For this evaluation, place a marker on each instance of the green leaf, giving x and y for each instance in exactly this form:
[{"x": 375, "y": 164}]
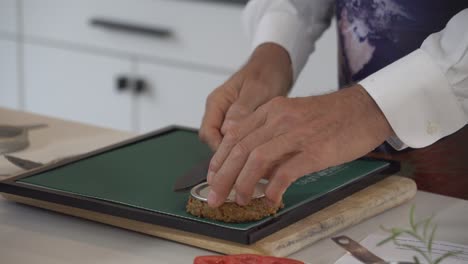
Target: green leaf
[
  {"x": 385, "y": 241},
  {"x": 390, "y": 238},
  {"x": 396, "y": 230},
  {"x": 422, "y": 253},
  {"x": 411, "y": 218},
  {"x": 431, "y": 239},
  {"x": 427, "y": 223},
  {"x": 446, "y": 255},
  {"x": 413, "y": 234},
  {"x": 416, "y": 260}
]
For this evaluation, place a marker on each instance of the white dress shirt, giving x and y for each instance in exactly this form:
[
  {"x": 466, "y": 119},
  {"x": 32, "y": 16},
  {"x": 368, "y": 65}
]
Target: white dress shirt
[{"x": 424, "y": 95}]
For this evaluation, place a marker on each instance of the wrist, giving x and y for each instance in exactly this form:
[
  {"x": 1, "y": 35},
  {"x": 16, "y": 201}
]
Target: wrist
[
  {"x": 376, "y": 118},
  {"x": 367, "y": 112},
  {"x": 271, "y": 63}
]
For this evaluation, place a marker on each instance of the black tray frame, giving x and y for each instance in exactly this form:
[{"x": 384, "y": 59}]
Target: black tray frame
[{"x": 248, "y": 237}]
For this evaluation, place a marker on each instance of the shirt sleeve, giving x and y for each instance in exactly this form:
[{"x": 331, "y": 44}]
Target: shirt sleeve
[
  {"x": 424, "y": 95},
  {"x": 293, "y": 24}
]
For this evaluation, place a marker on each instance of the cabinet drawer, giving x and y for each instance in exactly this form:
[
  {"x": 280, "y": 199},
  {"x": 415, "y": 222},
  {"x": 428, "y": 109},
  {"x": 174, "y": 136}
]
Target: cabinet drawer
[
  {"x": 204, "y": 33},
  {"x": 8, "y": 16},
  {"x": 75, "y": 86},
  {"x": 174, "y": 96}
]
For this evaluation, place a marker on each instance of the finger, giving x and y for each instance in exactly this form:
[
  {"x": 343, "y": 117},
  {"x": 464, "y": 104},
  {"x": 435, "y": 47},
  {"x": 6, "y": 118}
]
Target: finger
[
  {"x": 235, "y": 135},
  {"x": 223, "y": 179},
  {"x": 235, "y": 114},
  {"x": 236, "y": 160},
  {"x": 249, "y": 99},
  {"x": 260, "y": 163},
  {"x": 210, "y": 131},
  {"x": 287, "y": 173}
]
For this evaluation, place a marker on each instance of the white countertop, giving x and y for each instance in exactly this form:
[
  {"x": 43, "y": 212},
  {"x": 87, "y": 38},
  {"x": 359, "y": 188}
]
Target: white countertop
[{"x": 31, "y": 235}]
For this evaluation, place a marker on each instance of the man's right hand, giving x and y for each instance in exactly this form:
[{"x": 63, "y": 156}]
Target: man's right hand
[{"x": 267, "y": 74}]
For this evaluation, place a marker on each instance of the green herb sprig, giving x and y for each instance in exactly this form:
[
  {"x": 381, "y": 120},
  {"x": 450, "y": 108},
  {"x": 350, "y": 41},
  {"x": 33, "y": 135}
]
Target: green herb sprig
[{"x": 423, "y": 231}]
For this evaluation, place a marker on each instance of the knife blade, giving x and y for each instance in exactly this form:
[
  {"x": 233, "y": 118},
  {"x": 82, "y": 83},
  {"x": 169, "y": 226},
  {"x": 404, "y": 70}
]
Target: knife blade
[
  {"x": 29, "y": 164},
  {"x": 194, "y": 176},
  {"x": 23, "y": 163},
  {"x": 357, "y": 250}
]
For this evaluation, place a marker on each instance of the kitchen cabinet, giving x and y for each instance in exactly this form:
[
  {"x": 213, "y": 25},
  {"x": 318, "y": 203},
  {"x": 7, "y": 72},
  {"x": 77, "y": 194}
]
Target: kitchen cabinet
[
  {"x": 8, "y": 16},
  {"x": 190, "y": 32},
  {"x": 76, "y": 86},
  {"x": 8, "y": 74},
  {"x": 112, "y": 92},
  {"x": 174, "y": 95},
  {"x": 171, "y": 54}
]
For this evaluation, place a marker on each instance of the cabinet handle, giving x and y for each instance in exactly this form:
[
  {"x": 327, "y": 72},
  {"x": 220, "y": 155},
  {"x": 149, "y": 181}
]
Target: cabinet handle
[
  {"x": 131, "y": 28},
  {"x": 122, "y": 83},
  {"x": 140, "y": 86}
]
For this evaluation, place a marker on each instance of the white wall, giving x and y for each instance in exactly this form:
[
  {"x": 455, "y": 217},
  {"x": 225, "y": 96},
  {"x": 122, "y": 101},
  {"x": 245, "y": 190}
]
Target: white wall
[{"x": 320, "y": 74}]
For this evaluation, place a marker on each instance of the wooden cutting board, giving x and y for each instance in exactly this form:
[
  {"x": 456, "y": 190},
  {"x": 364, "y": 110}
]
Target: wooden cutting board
[{"x": 362, "y": 205}]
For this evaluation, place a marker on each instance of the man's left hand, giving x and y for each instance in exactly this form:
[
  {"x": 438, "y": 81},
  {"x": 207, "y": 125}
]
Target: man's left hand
[{"x": 288, "y": 138}]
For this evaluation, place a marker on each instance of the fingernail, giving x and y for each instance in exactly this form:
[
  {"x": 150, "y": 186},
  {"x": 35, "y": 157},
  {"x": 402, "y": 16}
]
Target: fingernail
[
  {"x": 212, "y": 199},
  {"x": 240, "y": 200}
]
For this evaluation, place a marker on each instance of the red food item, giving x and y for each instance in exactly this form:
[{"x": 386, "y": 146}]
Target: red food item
[
  {"x": 244, "y": 259},
  {"x": 274, "y": 260},
  {"x": 209, "y": 260}
]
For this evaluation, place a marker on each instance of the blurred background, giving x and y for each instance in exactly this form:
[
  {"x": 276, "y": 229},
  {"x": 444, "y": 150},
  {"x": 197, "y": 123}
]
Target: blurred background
[{"x": 133, "y": 65}]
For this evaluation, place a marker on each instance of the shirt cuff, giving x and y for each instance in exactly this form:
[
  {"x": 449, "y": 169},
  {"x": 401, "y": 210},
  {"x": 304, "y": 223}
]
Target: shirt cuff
[
  {"x": 416, "y": 99},
  {"x": 289, "y": 32}
]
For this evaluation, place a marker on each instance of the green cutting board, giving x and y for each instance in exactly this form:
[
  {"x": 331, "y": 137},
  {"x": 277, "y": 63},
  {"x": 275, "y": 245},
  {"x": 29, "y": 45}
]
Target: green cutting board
[{"x": 142, "y": 174}]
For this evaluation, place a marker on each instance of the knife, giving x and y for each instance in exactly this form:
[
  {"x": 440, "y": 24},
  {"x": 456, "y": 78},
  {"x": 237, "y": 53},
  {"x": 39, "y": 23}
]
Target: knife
[
  {"x": 361, "y": 253},
  {"x": 29, "y": 164},
  {"x": 23, "y": 163},
  {"x": 357, "y": 250},
  {"x": 194, "y": 176}
]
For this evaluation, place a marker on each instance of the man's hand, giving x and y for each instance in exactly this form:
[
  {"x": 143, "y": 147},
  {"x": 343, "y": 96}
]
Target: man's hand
[
  {"x": 267, "y": 74},
  {"x": 287, "y": 138}
]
